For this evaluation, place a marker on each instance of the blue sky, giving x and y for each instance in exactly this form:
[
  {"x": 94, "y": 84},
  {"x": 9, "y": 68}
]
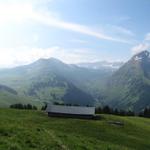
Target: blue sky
[{"x": 72, "y": 30}]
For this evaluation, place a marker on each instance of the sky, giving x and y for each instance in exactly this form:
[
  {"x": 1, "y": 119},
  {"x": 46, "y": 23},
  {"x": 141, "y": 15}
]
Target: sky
[{"x": 72, "y": 30}]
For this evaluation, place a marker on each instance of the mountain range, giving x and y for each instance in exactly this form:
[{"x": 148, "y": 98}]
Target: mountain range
[
  {"x": 120, "y": 85},
  {"x": 101, "y": 65},
  {"x": 48, "y": 80}
]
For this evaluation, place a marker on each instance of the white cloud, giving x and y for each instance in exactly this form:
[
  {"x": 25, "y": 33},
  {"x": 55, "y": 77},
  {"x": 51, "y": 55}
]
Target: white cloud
[
  {"x": 140, "y": 47},
  {"x": 144, "y": 45},
  {"x": 21, "y": 12},
  {"x": 123, "y": 30},
  {"x": 51, "y": 21}
]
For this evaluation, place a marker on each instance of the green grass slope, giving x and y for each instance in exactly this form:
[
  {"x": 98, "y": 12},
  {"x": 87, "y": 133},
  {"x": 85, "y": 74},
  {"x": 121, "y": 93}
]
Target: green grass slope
[
  {"x": 9, "y": 96},
  {"x": 7, "y": 99},
  {"x": 33, "y": 130}
]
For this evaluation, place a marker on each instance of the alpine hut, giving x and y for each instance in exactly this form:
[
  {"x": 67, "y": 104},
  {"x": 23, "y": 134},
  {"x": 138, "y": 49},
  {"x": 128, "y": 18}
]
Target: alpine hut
[{"x": 70, "y": 111}]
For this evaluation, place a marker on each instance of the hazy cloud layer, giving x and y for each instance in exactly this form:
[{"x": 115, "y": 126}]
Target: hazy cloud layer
[{"x": 25, "y": 55}]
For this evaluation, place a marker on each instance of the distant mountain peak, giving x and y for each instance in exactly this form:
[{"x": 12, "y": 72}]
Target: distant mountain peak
[
  {"x": 144, "y": 55},
  {"x": 53, "y": 59},
  {"x": 49, "y": 59},
  {"x": 46, "y": 61}
]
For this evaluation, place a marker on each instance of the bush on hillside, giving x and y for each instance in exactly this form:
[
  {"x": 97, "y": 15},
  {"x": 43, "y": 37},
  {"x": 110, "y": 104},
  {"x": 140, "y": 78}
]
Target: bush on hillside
[{"x": 21, "y": 106}]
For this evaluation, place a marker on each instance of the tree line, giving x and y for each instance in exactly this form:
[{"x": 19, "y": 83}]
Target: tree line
[
  {"x": 145, "y": 113},
  {"x": 23, "y": 106},
  {"x": 98, "y": 110},
  {"x": 109, "y": 110}
]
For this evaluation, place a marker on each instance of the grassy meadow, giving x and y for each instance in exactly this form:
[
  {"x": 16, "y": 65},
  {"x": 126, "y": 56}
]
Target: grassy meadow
[{"x": 33, "y": 130}]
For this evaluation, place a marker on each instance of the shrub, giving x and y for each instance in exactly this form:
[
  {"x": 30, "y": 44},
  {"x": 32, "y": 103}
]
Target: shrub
[{"x": 21, "y": 106}]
